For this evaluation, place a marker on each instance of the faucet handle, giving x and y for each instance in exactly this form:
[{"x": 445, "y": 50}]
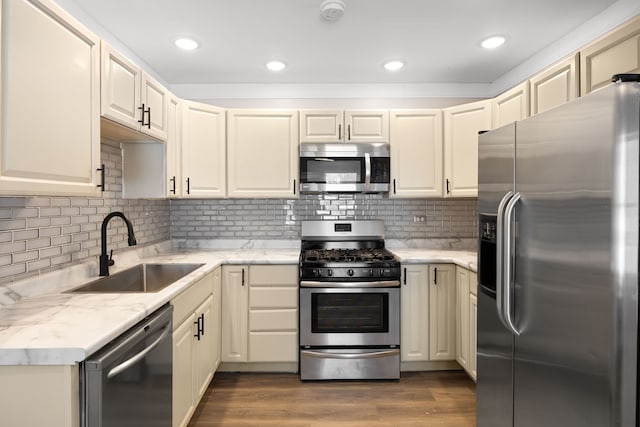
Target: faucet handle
[{"x": 111, "y": 261}]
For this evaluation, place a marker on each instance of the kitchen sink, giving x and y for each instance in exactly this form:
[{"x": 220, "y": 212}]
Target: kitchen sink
[{"x": 140, "y": 278}]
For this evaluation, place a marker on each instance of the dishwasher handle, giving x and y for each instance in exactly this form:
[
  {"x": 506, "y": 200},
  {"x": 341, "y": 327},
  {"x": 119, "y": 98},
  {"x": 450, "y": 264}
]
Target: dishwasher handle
[{"x": 139, "y": 356}]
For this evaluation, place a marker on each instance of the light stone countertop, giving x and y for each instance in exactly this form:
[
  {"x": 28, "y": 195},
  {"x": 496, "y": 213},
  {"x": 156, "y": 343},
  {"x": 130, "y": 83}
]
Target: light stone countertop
[{"x": 45, "y": 326}]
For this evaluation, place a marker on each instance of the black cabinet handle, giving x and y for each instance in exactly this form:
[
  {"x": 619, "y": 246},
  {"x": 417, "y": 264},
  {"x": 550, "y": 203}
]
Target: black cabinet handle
[
  {"x": 405, "y": 275},
  {"x": 202, "y": 324},
  {"x": 448, "y": 191},
  {"x": 188, "y": 186},
  {"x": 349, "y": 132},
  {"x": 141, "y": 121},
  {"x": 148, "y": 118},
  {"x": 394, "y": 186},
  {"x": 243, "y": 277},
  {"x": 101, "y": 169},
  {"x": 435, "y": 276},
  {"x": 173, "y": 186},
  {"x": 294, "y": 187},
  {"x": 197, "y": 334},
  {"x": 339, "y": 132}
]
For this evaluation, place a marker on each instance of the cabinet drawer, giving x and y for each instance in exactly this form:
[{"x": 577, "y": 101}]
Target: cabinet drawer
[
  {"x": 273, "y": 320},
  {"x": 273, "y": 275},
  {"x": 273, "y": 297},
  {"x": 189, "y": 300},
  {"x": 273, "y": 347}
]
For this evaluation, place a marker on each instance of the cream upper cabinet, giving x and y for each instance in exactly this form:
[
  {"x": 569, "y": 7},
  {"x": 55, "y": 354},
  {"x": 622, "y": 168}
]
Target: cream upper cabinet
[
  {"x": 416, "y": 153},
  {"x": 344, "y": 126},
  {"x": 555, "y": 86},
  {"x": 262, "y": 149},
  {"x": 461, "y": 126},
  {"x": 442, "y": 312},
  {"x": 414, "y": 311},
  {"x": 131, "y": 97},
  {"x": 511, "y": 106},
  {"x": 617, "y": 52},
  {"x": 52, "y": 63},
  {"x": 202, "y": 150},
  {"x": 173, "y": 149}
]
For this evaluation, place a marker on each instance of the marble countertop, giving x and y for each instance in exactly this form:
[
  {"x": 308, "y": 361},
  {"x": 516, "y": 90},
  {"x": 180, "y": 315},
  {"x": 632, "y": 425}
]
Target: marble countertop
[{"x": 47, "y": 326}]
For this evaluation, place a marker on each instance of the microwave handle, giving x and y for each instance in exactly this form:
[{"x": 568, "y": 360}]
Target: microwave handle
[{"x": 367, "y": 170}]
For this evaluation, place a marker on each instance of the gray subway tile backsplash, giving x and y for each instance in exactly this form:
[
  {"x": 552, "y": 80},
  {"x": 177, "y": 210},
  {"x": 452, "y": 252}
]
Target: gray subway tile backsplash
[{"x": 38, "y": 234}]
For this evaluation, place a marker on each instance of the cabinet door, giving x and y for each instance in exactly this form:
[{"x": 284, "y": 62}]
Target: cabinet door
[
  {"x": 216, "y": 328},
  {"x": 462, "y": 317},
  {"x": 416, "y": 153},
  {"x": 203, "y": 150},
  {"x": 204, "y": 348},
  {"x": 615, "y": 53},
  {"x": 121, "y": 80},
  {"x": 461, "y": 126},
  {"x": 155, "y": 97},
  {"x": 174, "y": 161},
  {"x": 263, "y": 153},
  {"x": 183, "y": 384},
  {"x": 414, "y": 309},
  {"x": 235, "y": 311},
  {"x": 555, "y": 85},
  {"x": 50, "y": 111},
  {"x": 321, "y": 126},
  {"x": 367, "y": 126},
  {"x": 473, "y": 316},
  {"x": 442, "y": 312},
  {"x": 511, "y": 106}
]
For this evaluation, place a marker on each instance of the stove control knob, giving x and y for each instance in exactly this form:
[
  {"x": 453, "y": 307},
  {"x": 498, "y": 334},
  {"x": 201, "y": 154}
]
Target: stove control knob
[
  {"x": 350, "y": 272},
  {"x": 329, "y": 272},
  {"x": 316, "y": 272},
  {"x": 371, "y": 272}
]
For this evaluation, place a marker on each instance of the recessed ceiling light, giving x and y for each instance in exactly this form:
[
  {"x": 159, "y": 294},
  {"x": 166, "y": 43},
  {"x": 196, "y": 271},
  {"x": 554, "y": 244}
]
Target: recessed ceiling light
[
  {"x": 493, "y": 42},
  {"x": 186, "y": 43},
  {"x": 393, "y": 65},
  {"x": 276, "y": 65}
]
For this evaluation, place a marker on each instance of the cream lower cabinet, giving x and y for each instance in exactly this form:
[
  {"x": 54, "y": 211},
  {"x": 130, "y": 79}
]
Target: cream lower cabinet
[
  {"x": 615, "y": 53},
  {"x": 414, "y": 311},
  {"x": 461, "y": 126},
  {"x": 415, "y": 139},
  {"x": 202, "y": 151},
  {"x": 50, "y": 103},
  {"x": 442, "y": 312},
  {"x": 194, "y": 335},
  {"x": 262, "y": 150},
  {"x": 466, "y": 315},
  {"x": 260, "y": 313}
]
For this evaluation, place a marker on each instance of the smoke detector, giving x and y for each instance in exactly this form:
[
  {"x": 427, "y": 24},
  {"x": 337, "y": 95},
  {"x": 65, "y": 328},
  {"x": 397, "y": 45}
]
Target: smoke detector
[{"x": 332, "y": 10}]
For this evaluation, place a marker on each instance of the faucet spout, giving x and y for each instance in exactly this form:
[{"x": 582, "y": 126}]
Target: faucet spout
[{"x": 105, "y": 261}]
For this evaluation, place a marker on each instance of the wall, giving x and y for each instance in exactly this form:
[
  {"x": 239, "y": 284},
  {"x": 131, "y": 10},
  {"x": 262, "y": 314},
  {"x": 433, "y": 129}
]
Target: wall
[
  {"x": 280, "y": 218},
  {"x": 38, "y": 234}
]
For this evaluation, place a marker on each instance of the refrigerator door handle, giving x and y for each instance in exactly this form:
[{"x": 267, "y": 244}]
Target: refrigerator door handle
[
  {"x": 500, "y": 256},
  {"x": 508, "y": 267}
]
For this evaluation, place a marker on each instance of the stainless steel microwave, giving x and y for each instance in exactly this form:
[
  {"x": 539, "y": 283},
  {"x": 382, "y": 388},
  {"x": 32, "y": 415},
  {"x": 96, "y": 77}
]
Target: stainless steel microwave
[{"x": 345, "y": 168}]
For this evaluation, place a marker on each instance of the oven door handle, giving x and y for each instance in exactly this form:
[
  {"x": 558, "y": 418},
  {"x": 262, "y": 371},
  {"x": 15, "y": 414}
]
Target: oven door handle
[
  {"x": 376, "y": 284},
  {"x": 371, "y": 355}
]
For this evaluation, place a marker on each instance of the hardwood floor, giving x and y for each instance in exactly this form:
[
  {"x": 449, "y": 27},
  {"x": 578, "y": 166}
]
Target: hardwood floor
[{"x": 445, "y": 399}]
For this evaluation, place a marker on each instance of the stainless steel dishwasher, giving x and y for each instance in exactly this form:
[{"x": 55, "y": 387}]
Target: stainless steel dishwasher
[{"x": 128, "y": 382}]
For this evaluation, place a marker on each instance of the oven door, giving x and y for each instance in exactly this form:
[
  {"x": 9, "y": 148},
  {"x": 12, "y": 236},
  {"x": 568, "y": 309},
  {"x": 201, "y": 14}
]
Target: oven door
[{"x": 352, "y": 317}]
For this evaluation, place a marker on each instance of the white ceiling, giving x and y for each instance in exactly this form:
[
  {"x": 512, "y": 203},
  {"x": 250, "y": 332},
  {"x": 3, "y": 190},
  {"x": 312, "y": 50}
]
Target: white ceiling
[{"x": 438, "y": 40}]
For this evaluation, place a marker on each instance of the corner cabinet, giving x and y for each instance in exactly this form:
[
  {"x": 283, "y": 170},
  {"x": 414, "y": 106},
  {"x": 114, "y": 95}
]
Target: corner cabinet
[
  {"x": 415, "y": 139},
  {"x": 461, "y": 126},
  {"x": 466, "y": 315},
  {"x": 202, "y": 150},
  {"x": 131, "y": 97},
  {"x": 56, "y": 152},
  {"x": 262, "y": 153}
]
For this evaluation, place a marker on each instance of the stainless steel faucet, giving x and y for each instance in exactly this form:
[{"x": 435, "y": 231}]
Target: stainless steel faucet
[{"x": 107, "y": 260}]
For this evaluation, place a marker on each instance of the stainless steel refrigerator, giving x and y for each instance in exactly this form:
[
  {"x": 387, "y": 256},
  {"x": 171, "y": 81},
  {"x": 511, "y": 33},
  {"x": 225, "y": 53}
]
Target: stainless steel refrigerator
[{"x": 558, "y": 265}]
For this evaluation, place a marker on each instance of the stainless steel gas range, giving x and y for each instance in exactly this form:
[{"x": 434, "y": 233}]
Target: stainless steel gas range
[{"x": 349, "y": 302}]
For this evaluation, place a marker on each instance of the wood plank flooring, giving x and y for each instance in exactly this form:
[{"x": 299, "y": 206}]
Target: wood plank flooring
[{"x": 444, "y": 399}]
